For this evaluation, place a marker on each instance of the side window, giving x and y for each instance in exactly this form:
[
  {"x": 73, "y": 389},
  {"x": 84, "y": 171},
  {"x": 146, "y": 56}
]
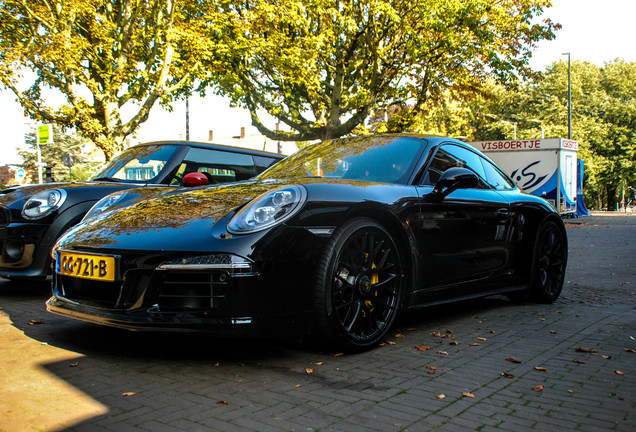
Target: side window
[
  {"x": 218, "y": 166},
  {"x": 496, "y": 178},
  {"x": 452, "y": 156}
]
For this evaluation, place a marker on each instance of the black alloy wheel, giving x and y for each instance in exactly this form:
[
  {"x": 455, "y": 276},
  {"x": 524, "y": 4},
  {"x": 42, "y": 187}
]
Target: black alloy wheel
[
  {"x": 358, "y": 288},
  {"x": 549, "y": 264}
]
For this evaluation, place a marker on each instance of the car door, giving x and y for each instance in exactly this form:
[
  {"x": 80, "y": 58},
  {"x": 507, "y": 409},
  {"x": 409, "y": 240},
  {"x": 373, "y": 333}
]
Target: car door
[{"x": 464, "y": 237}]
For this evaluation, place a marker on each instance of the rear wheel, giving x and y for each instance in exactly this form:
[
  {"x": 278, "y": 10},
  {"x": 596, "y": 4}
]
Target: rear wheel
[
  {"x": 548, "y": 264},
  {"x": 358, "y": 286}
]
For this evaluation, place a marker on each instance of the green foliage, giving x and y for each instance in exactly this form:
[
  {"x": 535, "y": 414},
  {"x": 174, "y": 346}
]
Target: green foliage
[
  {"x": 101, "y": 55},
  {"x": 52, "y": 156},
  {"x": 321, "y": 67},
  {"x": 603, "y": 120}
]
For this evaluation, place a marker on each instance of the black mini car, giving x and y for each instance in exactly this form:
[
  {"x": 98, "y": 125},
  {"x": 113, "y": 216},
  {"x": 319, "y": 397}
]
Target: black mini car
[
  {"x": 336, "y": 239},
  {"x": 32, "y": 217}
]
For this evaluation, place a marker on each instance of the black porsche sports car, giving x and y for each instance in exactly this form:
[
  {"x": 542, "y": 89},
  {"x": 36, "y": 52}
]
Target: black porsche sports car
[
  {"x": 32, "y": 217},
  {"x": 336, "y": 239}
]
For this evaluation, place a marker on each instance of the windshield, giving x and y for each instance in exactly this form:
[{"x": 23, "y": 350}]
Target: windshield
[
  {"x": 372, "y": 158},
  {"x": 137, "y": 164}
]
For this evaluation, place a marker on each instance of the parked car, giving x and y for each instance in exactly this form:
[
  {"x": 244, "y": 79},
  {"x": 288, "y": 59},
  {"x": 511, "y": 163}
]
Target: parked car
[
  {"x": 336, "y": 239},
  {"x": 32, "y": 217}
]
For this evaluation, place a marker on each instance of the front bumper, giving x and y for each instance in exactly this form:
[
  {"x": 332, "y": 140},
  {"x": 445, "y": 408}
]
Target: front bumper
[
  {"x": 23, "y": 252},
  {"x": 224, "y": 296}
]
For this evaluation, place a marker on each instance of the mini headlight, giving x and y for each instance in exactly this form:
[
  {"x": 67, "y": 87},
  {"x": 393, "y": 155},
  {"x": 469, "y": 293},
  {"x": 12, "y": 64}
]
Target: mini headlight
[
  {"x": 268, "y": 210},
  {"x": 104, "y": 204},
  {"x": 43, "y": 203}
]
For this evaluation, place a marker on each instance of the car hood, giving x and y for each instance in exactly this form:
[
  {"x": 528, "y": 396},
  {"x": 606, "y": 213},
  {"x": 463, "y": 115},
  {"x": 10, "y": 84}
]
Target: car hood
[
  {"x": 174, "y": 219},
  {"x": 22, "y": 193}
]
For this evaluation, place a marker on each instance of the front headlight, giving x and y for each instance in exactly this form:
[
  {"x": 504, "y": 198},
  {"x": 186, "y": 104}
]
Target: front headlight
[
  {"x": 267, "y": 210},
  {"x": 43, "y": 203},
  {"x": 104, "y": 204}
]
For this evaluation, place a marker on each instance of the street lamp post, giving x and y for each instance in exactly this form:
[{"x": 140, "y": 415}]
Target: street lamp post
[
  {"x": 540, "y": 125},
  {"x": 569, "y": 96},
  {"x": 514, "y": 124}
]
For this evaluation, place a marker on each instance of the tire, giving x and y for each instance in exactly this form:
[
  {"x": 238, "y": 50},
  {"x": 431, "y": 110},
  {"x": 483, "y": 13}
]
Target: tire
[
  {"x": 549, "y": 262},
  {"x": 358, "y": 286}
]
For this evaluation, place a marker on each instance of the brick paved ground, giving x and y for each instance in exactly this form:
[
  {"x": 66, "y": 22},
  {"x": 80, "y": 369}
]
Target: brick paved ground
[{"x": 58, "y": 374}]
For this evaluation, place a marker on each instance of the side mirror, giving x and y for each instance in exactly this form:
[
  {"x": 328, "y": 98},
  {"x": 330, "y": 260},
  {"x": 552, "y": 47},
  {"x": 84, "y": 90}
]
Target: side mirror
[
  {"x": 451, "y": 180},
  {"x": 195, "y": 179}
]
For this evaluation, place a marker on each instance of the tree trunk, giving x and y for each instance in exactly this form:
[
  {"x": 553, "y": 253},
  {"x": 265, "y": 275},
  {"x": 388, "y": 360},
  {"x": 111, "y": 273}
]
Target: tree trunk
[{"x": 611, "y": 197}]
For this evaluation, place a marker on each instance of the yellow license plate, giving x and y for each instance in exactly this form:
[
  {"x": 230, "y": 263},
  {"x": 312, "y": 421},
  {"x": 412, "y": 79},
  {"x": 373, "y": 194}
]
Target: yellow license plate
[{"x": 86, "y": 266}]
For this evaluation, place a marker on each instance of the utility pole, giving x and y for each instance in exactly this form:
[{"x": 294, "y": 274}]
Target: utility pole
[
  {"x": 187, "y": 118},
  {"x": 569, "y": 96}
]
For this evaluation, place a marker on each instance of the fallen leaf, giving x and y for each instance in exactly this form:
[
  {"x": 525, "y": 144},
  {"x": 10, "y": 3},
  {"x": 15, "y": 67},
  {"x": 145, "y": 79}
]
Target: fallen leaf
[
  {"x": 441, "y": 396},
  {"x": 542, "y": 369},
  {"x": 73, "y": 364},
  {"x": 617, "y": 372},
  {"x": 541, "y": 319},
  {"x": 606, "y": 357},
  {"x": 442, "y": 352},
  {"x": 629, "y": 350},
  {"x": 507, "y": 375},
  {"x": 398, "y": 425},
  {"x": 400, "y": 336},
  {"x": 222, "y": 402},
  {"x": 468, "y": 395},
  {"x": 422, "y": 348},
  {"x": 482, "y": 339},
  {"x": 338, "y": 354},
  {"x": 34, "y": 322},
  {"x": 578, "y": 361},
  {"x": 411, "y": 329},
  {"x": 309, "y": 371},
  {"x": 538, "y": 388},
  {"x": 579, "y": 349},
  {"x": 513, "y": 360},
  {"x": 390, "y": 342},
  {"x": 217, "y": 364},
  {"x": 449, "y": 331},
  {"x": 570, "y": 391},
  {"x": 320, "y": 363},
  {"x": 492, "y": 332},
  {"x": 474, "y": 344},
  {"x": 552, "y": 332},
  {"x": 297, "y": 385},
  {"x": 431, "y": 368},
  {"x": 129, "y": 394},
  {"x": 438, "y": 334},
  {"x": 453, "y": 343}
]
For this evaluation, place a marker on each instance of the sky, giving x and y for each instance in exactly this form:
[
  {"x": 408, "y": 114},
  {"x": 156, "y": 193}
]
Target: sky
[{"x": 598, "y": 31}]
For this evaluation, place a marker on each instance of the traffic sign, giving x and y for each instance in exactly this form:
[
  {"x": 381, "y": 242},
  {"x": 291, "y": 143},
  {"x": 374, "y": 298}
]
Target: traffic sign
[{"x": 45, "y": 134}]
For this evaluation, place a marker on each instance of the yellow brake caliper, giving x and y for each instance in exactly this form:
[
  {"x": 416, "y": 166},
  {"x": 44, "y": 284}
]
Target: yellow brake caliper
[{"x": 375, "y": 278}]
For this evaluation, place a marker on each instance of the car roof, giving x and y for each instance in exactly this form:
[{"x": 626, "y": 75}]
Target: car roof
[{"x": 213, "y": 146}]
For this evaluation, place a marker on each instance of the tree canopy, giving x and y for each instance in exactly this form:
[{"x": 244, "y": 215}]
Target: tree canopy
[
  {"x": 101, "y": 55},
  {"x": 603, "y": 120},
  {"x": 322, "y": 66}
]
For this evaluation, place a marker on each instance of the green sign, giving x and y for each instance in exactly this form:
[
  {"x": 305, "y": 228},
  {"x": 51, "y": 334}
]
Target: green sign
[{"x": 45, "y": 134}]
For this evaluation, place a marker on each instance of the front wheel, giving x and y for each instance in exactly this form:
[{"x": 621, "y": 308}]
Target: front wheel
[
  {"x": 358, "y": 286},
  {"x": 548, "y": 264}
]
